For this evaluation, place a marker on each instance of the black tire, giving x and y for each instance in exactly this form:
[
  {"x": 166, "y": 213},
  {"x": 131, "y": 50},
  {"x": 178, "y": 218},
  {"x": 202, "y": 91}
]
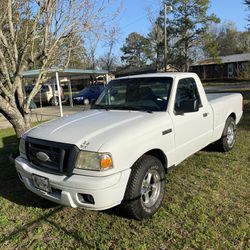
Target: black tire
[
  {"x": 228, "y": 138},
  {"x": 54, "y": 101},
  {"x": 145, "y": 192}
]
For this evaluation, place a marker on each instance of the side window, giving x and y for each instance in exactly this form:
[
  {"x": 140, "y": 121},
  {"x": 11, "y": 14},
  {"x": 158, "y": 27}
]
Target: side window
[
  {"x": 186, "y": 91},
  {"x": 44, "y": 88}
]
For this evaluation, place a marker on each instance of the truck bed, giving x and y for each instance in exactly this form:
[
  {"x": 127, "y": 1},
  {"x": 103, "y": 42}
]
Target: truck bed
[
  {"x": 223, "y": 105},
  {"x": 214, "y": 98}
]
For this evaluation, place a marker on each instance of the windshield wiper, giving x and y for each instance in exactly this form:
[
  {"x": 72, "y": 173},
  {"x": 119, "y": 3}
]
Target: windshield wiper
[{"x": 125, "y": 107}]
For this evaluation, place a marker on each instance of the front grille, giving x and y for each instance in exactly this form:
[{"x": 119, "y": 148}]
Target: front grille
[{"x": 59, "y": 157}]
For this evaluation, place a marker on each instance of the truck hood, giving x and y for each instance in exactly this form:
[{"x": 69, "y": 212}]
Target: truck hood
[{"x": 90, "y": 129}]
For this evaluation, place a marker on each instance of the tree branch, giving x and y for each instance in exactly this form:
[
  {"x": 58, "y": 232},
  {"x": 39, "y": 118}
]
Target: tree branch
[
  {"x": 4, "y": 69},
  {"x": 11, "y": 28}
]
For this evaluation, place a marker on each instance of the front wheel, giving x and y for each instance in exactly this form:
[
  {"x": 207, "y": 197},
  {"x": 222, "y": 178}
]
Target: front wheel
[
  {"x": 145, "y": 189},
  {"x": 86, "y": 101},
  {"x": 227, "y": 141}
]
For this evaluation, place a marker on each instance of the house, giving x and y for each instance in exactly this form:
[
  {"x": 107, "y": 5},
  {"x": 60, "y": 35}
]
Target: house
[{"x": 225, "y": 67}]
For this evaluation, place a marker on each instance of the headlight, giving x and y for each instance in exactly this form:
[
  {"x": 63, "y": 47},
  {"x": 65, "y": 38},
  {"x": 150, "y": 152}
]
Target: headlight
[
  {"x": 22, "y": 148},
  {"x": 94, "y": 161},
  {"x": 78, "y": 98}
]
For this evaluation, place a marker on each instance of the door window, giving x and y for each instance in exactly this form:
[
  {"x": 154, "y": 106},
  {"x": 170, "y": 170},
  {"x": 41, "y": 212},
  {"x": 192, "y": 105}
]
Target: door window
[{"x": 186, "y": 91}]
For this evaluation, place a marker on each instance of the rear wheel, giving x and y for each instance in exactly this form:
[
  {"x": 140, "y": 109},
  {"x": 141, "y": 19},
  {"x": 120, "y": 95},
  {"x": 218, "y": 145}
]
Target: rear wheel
[
  {"x": 54, "y": 101},
  {"x": 145, "y": 189},
  {"x": 227, "y": 141}
]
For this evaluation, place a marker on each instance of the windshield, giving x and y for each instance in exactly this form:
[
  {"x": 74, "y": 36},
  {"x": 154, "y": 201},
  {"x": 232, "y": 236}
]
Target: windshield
[{"x": 143, "y": 94}]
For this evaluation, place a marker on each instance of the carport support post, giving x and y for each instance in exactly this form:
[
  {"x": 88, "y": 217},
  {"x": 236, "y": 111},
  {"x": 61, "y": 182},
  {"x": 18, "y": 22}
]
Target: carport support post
[
  {"x": 107, "y": 78},
  {"x": 70, "y": 94},
  {"x": 59, "y": 94}
]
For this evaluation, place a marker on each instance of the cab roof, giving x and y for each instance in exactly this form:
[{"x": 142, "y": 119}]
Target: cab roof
[{"x": 165, "y": 74}]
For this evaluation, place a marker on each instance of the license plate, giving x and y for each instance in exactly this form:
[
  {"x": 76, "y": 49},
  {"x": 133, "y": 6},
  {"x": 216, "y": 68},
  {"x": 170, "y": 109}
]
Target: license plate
[{"x": 41, "y": 183}]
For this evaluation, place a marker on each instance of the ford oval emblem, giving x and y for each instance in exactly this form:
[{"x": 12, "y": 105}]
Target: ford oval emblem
[{"x": 42, "y": 156}]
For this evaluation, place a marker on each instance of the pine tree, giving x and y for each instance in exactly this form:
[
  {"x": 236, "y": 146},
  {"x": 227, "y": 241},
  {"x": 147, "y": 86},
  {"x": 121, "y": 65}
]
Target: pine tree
[
  {"x": 135, "y": 50},
  {"x": 190, "y": 21}
]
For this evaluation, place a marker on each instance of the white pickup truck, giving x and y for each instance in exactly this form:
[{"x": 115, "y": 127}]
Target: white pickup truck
[{"x": 119, "y": 150}]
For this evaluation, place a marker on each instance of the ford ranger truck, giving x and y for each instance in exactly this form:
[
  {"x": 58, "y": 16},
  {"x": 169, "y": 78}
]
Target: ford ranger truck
[{"x": 119, "y": 151}]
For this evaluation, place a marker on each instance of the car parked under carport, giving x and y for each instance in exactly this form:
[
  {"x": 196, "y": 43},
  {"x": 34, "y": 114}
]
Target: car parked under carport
[{"x": 88, "y": 94}]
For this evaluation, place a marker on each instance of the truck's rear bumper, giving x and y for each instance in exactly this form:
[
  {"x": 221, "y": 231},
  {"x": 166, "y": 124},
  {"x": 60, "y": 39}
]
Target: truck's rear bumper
[{"x": 106, "y": 191}]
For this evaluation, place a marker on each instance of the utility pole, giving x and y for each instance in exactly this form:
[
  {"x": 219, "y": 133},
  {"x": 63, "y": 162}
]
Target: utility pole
[
  {"x": 165, "y": 37},
  {"x": 166, "y": 7}
]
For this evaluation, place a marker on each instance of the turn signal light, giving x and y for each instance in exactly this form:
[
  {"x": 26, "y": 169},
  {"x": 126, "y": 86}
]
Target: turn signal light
[{"x": 106, "y": 162}]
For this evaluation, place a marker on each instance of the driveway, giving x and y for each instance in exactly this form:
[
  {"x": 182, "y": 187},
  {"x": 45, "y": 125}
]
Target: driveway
[{"x": 45, "y": 113}]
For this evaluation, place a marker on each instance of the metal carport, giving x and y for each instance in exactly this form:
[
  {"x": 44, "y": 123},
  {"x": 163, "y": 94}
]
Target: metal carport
[{"x": 69, "y": 73}]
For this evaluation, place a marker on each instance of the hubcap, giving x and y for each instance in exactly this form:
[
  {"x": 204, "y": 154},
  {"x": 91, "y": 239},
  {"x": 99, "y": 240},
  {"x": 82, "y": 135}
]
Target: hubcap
[
  {"x": 86, "y": 102},
  {"x": 230, "y": 135},
  {"x": 150, "y": 189}
]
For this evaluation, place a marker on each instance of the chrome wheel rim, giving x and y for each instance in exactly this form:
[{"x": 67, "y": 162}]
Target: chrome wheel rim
[
  {"x": 150, "y": 188},
  {"x": 55, "y": 102},
  {"x": 230, "y": 135}
]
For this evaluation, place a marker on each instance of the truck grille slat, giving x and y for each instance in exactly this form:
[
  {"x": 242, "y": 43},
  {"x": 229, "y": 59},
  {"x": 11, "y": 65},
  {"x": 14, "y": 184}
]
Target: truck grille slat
[{"x": 52, "y": 157}]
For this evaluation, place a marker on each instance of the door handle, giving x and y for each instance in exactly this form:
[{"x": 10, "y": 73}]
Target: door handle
[{"x": 205, "y": 114}]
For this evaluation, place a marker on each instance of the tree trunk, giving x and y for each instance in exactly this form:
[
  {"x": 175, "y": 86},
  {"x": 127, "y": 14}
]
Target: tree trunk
[
  {"x": 20, "y": 122},
  {"x": 186, "y": 57}
]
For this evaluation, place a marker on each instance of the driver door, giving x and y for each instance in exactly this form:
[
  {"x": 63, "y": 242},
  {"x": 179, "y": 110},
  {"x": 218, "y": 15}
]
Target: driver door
[{"x": 192, "y": 129}]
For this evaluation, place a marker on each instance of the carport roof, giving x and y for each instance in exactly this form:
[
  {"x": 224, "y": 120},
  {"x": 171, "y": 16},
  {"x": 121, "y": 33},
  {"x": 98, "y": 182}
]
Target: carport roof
[{"x": 65, "y": 72}]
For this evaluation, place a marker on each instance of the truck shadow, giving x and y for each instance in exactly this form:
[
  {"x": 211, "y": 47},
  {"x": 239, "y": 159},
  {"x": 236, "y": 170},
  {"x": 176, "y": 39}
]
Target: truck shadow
[
  {"x": 117, "y": 211},
  {"x": 11, "y": 188},
  {"x": 245, "y": 121}
]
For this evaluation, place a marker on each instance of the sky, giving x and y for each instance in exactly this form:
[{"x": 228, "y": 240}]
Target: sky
[{"x": 133, "y": 16}]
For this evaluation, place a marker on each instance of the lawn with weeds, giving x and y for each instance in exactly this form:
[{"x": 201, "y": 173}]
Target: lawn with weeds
[{"x": 206, "y": 206}]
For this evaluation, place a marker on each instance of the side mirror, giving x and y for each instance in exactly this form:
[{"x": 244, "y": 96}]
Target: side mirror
[{"x": 188, "y": 106}]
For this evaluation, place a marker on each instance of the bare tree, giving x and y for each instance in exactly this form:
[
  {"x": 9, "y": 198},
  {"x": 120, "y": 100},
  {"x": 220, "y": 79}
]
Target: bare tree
[
  {"x": 97, "y": 37},
  {"x": 247, "y": 3},
  {"x": 156, "y": 37},
  {"x": 108, "y": 60},
  {"x": 92, "y": 41},
  {"x": 41, "y": 31}
]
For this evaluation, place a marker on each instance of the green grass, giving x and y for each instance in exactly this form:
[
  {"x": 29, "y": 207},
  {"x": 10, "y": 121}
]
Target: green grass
[{"x": 206, "y": 206}]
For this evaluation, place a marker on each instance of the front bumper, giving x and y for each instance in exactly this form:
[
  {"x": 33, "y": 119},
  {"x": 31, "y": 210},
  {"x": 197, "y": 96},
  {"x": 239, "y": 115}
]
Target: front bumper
[
  {"x": 107, "y": 191},
  {"x": 77, "y": 101}
]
